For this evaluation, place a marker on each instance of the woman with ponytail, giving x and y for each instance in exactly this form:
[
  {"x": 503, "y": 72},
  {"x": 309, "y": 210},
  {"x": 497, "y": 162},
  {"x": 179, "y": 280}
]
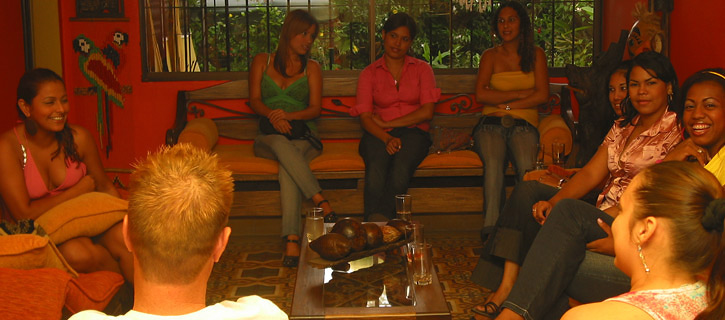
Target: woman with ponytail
[
  {"x": 667, "y": 235},
  {"x": 45, "y": 161}
]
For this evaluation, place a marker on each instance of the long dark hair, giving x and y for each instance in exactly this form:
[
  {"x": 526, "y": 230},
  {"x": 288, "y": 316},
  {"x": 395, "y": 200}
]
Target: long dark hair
[
  {"x": 691, "y": 199},
  {"x": 296, "y": 22},
  {"x": 652, "y": 61},
  {"x": 526, "y": 34},
  {"x": 622, "y": 66},
  {"x": 28, "y": 88}
]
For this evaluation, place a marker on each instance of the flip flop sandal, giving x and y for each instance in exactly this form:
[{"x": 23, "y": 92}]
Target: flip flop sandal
[
  {"x": 291, "y": 261},
  {"x": 490, "y": 309}
]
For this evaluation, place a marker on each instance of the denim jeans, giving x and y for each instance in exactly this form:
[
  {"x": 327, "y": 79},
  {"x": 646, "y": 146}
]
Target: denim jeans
[
  {"x": 554, "y": 258},
  {"x": 295, "y": 177},
  {"x": 388, "y": 175},
  {"x": 495, "y": 144},
  {"x": 513, "y": 235}
]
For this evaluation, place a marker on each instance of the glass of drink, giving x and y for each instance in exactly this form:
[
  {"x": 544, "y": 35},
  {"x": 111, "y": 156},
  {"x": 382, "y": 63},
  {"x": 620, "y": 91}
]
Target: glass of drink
[
  {"x": 414, "y": 235},
  {"x": 403, "y": 205},
  {"x": 422, "y": 264},
  {"x": 314, "y": 223},
  {"x": 539, "y": 156},
  {"x": 557, "y": 153}
]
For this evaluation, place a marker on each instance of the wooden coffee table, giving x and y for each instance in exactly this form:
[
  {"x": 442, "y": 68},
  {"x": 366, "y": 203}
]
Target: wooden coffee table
[{"x": 380, "y": 286}]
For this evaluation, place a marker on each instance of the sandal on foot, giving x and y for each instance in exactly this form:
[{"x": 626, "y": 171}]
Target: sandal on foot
[
  {"x": 291, "y": 261},
  {"x": 330, "y": 217},
  {"x": 490, "y": 309}
]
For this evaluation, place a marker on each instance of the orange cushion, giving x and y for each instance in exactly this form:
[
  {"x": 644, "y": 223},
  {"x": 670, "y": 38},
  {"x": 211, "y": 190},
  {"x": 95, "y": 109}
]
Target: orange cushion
[
  {"x": 42, "y": 293},
  {"x": 30, "y": 251},
  {"x": 92, "y": 290},
  {"x": 455, "y": 159},
  {"x": 200, "y": 132},
  {"x": 87, "y": 215},
  {"x": 240, "y": 159},
  {"x": 341, "y": 156},
  {"x": 552, "y": 128},
  {"x": 36, "y": 294}
]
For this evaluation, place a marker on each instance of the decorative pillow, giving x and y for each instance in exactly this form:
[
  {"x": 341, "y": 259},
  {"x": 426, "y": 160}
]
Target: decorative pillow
[
  {"x": 30, "y": 251},
  {"x": 87, "y": 215},
  {"x": 92, "y": 290},
  {"x": 450, "y": 139},
  {"x": 42, "y": 293}
]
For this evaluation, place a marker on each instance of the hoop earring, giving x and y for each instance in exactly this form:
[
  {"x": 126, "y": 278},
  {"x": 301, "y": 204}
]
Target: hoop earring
[
  {"x": 669, "y": 99},
  {"x": 31, "y": 126},
  {"x": 641, "y": 257}
]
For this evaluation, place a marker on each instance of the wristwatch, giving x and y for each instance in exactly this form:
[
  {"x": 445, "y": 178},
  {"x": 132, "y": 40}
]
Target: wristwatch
[
  {"x": 508, "y": 108},
  {"x": 561, "y": 182}
]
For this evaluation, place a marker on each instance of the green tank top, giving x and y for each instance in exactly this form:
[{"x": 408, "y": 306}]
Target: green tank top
[{"x": 296, "y": 97}]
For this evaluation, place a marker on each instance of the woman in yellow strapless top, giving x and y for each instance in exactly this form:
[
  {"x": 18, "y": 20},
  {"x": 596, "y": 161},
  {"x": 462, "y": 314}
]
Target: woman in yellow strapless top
[{"x": 512, "y": 80}]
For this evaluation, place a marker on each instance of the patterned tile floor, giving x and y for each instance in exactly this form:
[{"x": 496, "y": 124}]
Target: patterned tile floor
[{"x": 253, "y": 265}]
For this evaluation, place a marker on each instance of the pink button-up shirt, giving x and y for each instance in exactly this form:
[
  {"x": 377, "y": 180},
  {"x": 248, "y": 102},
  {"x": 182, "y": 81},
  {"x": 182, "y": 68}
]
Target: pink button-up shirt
[
  {"x": 644, "y": 150},
  {"x": 376, "y": 91}
]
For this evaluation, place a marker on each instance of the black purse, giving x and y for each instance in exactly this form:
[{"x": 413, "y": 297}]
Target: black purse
[{"x": 299, "y": 131}]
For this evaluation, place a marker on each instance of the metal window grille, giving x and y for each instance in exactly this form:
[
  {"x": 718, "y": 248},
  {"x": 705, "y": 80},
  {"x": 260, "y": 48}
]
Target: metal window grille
[{"x": 224, "y": 35}]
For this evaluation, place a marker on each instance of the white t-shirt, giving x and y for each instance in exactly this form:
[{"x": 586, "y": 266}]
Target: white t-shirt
[{"x": 246, "y": 308}]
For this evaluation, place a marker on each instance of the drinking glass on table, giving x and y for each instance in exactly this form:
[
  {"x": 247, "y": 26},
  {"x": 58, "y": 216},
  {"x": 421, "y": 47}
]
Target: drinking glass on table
[
  {"x": 422, "y": 264},
  {"x": 413, "y": 235},
  {"x": 557, "y": 153},
  {"x": 540, "y": 156},
  {"x": 314, "y": 223},
  {"x": 403, "y": 206}
]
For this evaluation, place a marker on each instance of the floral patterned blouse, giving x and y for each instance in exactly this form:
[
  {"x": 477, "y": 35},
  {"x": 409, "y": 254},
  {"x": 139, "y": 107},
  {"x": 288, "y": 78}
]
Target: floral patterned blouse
[
  {"x": 643, "y": 151},
  {"x": 685, "y": 302}
]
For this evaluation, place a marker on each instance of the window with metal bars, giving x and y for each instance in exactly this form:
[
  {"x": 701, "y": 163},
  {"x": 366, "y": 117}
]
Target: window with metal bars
[{"x": 217, "y": 37}]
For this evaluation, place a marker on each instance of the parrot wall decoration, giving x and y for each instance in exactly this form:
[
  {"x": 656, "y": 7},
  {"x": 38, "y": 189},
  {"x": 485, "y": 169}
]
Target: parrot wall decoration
[{"x": 99, "y": 67}]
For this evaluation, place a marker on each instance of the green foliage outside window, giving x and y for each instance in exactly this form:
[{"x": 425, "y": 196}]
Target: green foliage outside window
[{"x": 449, "y": 36}]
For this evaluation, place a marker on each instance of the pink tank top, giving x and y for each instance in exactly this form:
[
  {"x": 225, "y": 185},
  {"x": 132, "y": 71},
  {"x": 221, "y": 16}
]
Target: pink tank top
[
  {"x": 684, "y": 302},
  {"x": 37, "y": 189}
]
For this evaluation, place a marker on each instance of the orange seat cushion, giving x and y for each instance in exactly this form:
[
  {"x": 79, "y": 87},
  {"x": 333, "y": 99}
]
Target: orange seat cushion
[
  {"x": 340, "y": 156},
  {"x": 240, "y": 159},
  {"x": 455, "y": 159}
]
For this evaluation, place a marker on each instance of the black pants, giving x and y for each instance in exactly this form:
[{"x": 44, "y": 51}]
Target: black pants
[{"x": 388, "y": 175}]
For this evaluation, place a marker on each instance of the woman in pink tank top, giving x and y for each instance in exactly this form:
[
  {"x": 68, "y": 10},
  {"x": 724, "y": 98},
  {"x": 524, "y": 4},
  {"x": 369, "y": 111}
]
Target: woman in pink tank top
[
  {"x": 668, "y": 234},
  {"x": 46, "y": 161}
]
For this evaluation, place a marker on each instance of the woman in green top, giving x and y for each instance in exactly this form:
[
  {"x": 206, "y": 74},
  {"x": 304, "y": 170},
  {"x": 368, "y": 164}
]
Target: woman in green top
[{"x": 283, "y": 86}]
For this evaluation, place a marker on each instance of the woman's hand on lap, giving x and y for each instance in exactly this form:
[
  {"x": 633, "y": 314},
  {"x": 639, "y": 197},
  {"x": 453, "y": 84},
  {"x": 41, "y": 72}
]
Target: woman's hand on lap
[
  {"x": 540, "y": 211},
  {"x": 393, "y": 145},
  {"x": 282, "y": 126}
]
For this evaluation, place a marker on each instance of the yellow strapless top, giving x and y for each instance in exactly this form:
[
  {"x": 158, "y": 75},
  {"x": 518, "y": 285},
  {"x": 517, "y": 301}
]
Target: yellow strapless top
[{"x": 510, "y": 81}]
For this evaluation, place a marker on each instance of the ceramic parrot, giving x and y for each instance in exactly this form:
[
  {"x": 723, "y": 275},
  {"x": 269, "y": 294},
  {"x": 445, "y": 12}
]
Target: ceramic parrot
[{"x": 99, "y": 68}]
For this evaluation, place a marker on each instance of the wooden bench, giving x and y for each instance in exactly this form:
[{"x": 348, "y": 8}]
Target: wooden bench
[{"x": 444, "y": 183}]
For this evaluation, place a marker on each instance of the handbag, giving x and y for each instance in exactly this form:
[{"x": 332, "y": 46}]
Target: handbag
[{"x": 299, "y": 131}]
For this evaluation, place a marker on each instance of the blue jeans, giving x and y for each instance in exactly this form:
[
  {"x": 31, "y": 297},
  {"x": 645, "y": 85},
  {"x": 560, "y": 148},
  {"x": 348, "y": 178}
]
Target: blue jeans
[
  {"x": 295, "y": 177},
  {"x": 548, "y": 272},
  {"x": 388, "y": 175},
  {"x": 495, "y": 144}
]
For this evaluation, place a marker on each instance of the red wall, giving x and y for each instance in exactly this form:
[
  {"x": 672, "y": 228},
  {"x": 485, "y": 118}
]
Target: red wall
[
  {"x": 697, "y": 34},
  {"x": 12, "y": 61},
  {"x": 149, "y": 109}
]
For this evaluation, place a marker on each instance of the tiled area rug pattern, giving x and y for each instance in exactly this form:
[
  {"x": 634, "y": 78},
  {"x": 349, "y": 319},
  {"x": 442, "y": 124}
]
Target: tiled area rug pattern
[{"x": 253, "y": 265}]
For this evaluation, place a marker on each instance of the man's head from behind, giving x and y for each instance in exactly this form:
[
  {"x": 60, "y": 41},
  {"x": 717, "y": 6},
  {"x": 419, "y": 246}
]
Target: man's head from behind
[{"x": 178, "y": 210}]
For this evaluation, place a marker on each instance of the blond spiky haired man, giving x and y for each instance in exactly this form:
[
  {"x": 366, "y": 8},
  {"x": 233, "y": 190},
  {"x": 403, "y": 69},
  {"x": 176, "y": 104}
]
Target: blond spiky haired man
[{"x": 176, "y": 229}]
